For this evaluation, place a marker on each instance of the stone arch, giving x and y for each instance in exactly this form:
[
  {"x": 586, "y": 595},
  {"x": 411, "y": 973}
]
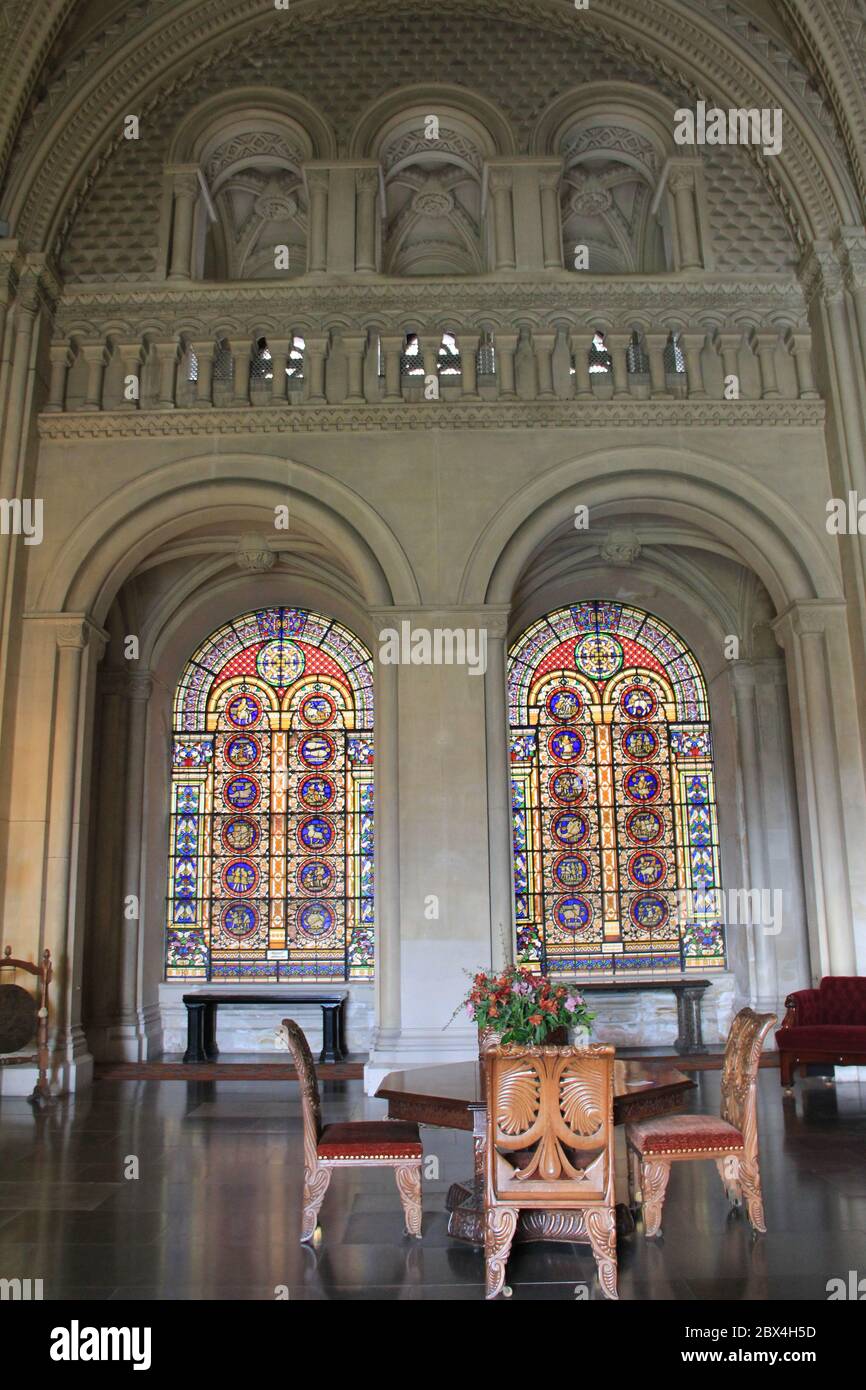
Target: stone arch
[
  {"x": 697, "y": 52},
  {"x": 141, "y": 515},
  {"x": 765, "y": 533}
]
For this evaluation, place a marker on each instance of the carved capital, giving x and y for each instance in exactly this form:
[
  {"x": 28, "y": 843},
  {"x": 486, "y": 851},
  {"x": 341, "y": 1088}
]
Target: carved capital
[
  {"x": 820, "y": 273},
  {"x": 850, "y": 248},
  {"x": 254, "y": 554},
  {"x": 139, "y": 686},
  {"x": 76, "y": 632},
  {"x": 367, "y": 180},
  {"x": 500, "y": 180}
]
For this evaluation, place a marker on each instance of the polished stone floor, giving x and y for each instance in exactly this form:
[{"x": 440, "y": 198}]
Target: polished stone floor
[{"x": 214, "y": 1210}]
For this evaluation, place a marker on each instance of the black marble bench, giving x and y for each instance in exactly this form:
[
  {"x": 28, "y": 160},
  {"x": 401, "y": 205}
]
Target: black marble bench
[
  {"x": 689, "y": 996},
  {"x": 201, "y": 1010}
]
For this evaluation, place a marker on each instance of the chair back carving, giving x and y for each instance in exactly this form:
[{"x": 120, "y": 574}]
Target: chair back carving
[
  {"x": 550, "y": 1127},
  {"x": 311, "y": 1107},
  {"x": 740, "y": 1069}
]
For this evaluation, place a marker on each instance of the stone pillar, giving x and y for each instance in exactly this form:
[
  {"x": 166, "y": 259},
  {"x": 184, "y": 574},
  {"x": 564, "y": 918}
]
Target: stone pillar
[
  {"x": 581, "y": 367},
  {"x": 367, "y": 193},
  {"x": 205, "y": 352},
  {"x": 354, "y": 346},
  {"x": 279, "y": 349},
  {"x": 317, "y": 249},
  {"x": 96, "y": 356},
  {"x": 130, "y": 365},
  {"x": 315, "y": 354},
  {"x": 499, "y": 183},
  {"x": 392, "y": 351},
  {"x": 241, "y": 358},
  {"x": 506, "y": 346},
  {"x": 551, "y": 223},
  {"x": 61, "y": 360},
  {"x": 765, "y": 347},
  {"x": 800, "y": 347},
  {"x": 656, "y": 343},
  {"x": 692, "y": 347},
  {"x": 387, "y": 888},
  {"x": 128, "y": 1030},
  {"x": 467, "y": 344},
  {"x": 830, "y": 782},
  {"x": 186, "y": 193},
  {"x": 79, "y": 645},
  {"x": 617, "y": 345},
  {"x": 851, "y": 250},
  {"x": 499, "y": 823},
  {"x": 681, "y": 181},
  {"x": 544, "y": 343},
  {"x": 729, "y": 346}
]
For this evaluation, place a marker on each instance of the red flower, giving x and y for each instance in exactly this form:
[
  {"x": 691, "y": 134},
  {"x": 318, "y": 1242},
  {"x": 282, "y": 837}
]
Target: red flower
[
  {"x": 493, "y": 1011},
  {"x": 536, "y": 1019}
]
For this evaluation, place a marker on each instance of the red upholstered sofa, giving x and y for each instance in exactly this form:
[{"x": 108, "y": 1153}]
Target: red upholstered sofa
[{"x": 824, "y": 1025}]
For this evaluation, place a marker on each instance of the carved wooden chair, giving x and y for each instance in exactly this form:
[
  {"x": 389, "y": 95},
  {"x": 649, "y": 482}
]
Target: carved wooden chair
[
  {"x": 550, "y": 1145},
  {"x": 24, "y": 1017},
  {"x": 355, "y": 1144},
  {"x": 730, "y": 1141}
]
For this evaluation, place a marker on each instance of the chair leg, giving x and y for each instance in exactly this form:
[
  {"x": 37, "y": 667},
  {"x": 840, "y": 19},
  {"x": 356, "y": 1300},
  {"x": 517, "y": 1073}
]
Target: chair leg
[
  {"x": 786, "y": 1070},
  {"x": 408, "y": 1177},
  {"x": 654, "y": 1174},
  {"x": 500, "y": 1223},
  {"x": 729, "y": 1172},
  {"x": 750, "y": 1181},
  {"x": 316, "y": 1181},
  {"x": 601, "y": 1225}
]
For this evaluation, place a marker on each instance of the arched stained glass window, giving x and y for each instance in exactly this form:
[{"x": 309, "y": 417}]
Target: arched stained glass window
[
  {"x": 271, "y": 858},
  {"x": 616, "y": 847}
]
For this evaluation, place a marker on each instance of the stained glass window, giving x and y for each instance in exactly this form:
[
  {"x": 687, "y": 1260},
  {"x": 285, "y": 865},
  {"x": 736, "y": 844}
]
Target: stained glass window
[
  {"x": 271, "y": 856},
  {"x": 616, "y": 846}
]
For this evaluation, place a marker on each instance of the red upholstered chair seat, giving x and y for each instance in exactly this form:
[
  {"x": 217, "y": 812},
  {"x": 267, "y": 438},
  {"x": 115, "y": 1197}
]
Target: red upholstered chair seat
[
  {"x": 823, "y": 1037},
  {"x": 360, "y": 1139},
  {"x": 684, "y": 1134}
]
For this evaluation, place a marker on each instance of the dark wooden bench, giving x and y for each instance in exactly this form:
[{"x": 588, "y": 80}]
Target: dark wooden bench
[
  {"x": 201, "y": 1009},
  {"x": 689, "y": 996}
]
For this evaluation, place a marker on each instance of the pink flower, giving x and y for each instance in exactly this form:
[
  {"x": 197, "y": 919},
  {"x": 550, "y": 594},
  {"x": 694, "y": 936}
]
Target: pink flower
[{"x": 573, "y": 1002}]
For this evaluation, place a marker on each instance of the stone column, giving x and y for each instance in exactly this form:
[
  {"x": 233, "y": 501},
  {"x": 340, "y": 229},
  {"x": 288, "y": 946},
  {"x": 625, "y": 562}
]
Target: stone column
[
  {"x": 830, "y": 781},
  {"x": 499, "y": 184},
  {"x": 96, "y": 356},
  {"x": 506, "y": 346},
  {"x": 851, "y": 250},
  {"x": 581, "y": 366},
  {"x": 692, "y": 347},
  {"x": 279, "y": 349},
  {"x": 167, "y": 355},
  {"x": 467, "y": 344},
  {"x": 205, "y": 352},
  {"x": 354, "y": 346},
  {"x": 78, "y": 644},
  {"x": 315, "y": 354},
  {"x": 61, "y": 360},
  {"x": 544, "y": 343},
  {"x": 139, "y": 690},
  {"x": 317, "y": 250},
  {"x": 765, "y": 347},
  {"x": 387, "y": 889},
  {"x": 186, "y": 193},
  {"x": 551, "y": 223},
  {"x": 800, "y": 347},
  {"x": 656, "y": 343},
  {"x": 392, "y": 351},
  {"x": 681, "y": 181},
  {"x": 367, "y": 192},
  {"x": 241, "y": 358},
  {"x": 499, "y": 823},
  {"x": 729, "y": 346},
  {"x": 617, "y": 345},
  {"x": 130, "y": 365}
]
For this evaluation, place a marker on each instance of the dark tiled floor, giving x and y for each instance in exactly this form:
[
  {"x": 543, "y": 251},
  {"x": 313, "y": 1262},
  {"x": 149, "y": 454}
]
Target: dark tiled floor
[{"x": 214, "y": 1212}]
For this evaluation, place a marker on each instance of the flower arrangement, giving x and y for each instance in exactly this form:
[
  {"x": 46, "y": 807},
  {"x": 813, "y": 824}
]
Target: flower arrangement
[{"x": 524, "y": 1007}]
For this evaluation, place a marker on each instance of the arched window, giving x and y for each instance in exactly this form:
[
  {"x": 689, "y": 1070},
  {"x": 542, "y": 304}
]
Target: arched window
[
  {"x": 616, "y": 847},
  {"x": 271, "y": 856}
]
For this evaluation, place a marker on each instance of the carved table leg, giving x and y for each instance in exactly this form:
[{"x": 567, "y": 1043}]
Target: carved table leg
[
  {"x": 408, "y": 1177},
  {"x": 500, "y": 1225},
  {"x": 690, "y": 1036},
  {"x": 195, "y": 1033},
  {"x": 601, "y": 1225},
  {"x": 654, "y": 1174},
  {"x": 316, "y": 1182}
]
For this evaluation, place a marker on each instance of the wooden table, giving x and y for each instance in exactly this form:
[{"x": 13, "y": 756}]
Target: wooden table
[
  {"x": 201, "y": 1012},
  {"x": 451, "y": 1096}
]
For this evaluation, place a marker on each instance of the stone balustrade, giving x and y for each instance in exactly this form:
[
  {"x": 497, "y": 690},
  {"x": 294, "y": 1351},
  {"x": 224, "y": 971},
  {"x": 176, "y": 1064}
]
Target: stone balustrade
[{"x": 384, "y": 366}]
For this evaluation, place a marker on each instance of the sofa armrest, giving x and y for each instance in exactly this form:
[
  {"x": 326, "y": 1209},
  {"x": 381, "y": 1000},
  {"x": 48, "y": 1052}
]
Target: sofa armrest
[{"x": 803, "y": 1006}]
